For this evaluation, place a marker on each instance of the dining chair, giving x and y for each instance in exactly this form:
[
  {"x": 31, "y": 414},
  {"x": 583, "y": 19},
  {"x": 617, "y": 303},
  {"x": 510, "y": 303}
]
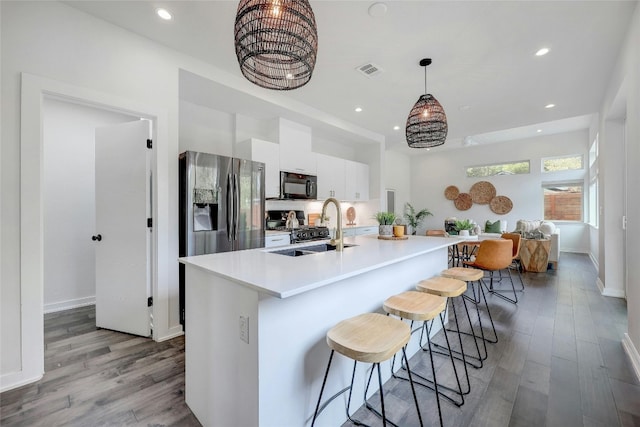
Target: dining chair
[{"x": 495, "y": 255}]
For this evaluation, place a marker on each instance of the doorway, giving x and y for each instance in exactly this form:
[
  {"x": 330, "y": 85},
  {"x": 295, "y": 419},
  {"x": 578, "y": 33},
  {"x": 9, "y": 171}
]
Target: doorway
[
  {"x": 69, "y": 200},
  {"x": 31, "y": 325}
]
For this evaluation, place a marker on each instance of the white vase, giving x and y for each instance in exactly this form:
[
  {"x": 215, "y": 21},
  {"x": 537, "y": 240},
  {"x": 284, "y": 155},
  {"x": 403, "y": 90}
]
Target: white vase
[
  {"x": 385, "y": 230},
  {"x": 464, "y": 233}
]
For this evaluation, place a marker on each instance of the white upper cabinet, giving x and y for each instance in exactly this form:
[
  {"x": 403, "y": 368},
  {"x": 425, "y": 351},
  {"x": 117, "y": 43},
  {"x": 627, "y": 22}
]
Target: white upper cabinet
[
  {"x": 267, "y": 153},
  {"x": 331, "y": 178},
  {"x": 295, "y": 148},
  {"x": 356, "y": 181}
]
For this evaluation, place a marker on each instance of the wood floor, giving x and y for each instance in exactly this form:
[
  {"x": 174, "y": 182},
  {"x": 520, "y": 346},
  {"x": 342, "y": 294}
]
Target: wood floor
[
  {"x": 559, "y": 362},
  {"x": 97, "y": 377}
]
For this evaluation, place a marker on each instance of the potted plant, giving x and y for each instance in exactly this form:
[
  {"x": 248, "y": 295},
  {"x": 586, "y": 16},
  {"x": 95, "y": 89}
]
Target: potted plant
[
  {"x": 386, "y": 220},
  {"x": 463, "y": 226},
  {"x": 413, "y": 218}
]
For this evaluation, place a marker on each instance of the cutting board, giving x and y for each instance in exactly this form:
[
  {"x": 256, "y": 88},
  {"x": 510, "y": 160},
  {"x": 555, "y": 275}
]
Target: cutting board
[
  {"x": 313, "y": 217},
  {"x": 393, "y": 237}
]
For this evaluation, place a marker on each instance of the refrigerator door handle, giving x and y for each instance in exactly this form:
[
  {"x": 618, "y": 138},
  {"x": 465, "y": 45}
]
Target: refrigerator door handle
[
  {"x": 229, "y": 208},
  {"x": 236, "y": 206}
]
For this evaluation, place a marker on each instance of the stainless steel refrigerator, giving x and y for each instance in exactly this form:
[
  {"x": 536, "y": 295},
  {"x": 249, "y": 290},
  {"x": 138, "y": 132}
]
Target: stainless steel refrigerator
[{"x": 222, "y": 206}]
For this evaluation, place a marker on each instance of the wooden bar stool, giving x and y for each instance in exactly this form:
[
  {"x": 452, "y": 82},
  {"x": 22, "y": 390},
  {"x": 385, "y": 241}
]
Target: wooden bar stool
[
  {"x": 453, "y": 288},
  {"x": 421, "y": 307},
  {"x": 371, "y": 338},
  {"x": 473, "y": 276}
]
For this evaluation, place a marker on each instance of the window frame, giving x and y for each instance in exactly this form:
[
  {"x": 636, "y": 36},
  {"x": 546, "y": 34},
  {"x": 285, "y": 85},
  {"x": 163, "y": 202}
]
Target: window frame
[
  {"x": 568, "y": 156},
  {"x": 528, "y": 162}
]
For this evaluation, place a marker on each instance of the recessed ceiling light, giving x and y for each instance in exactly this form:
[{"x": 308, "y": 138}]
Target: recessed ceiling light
[
  {"x": 358, "y": 109},
  {"x": 539, "y": 130},
  {"x": 549, "y": 105},
  {"x": 542, "y": 51},
  {"x": 164, "y": 14},
  {"x": 396, "y": 127},
  {"x": 377, "y": 9}
]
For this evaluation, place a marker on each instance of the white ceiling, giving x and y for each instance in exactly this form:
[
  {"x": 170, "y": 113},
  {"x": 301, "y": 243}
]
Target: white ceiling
[{"x": 484, "y": 72}]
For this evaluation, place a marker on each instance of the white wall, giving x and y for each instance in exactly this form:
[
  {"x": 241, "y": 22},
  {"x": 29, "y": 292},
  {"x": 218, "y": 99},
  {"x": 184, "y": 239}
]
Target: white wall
[
  {"x": 205, "y": 130},
  {"x": 432, "y": 172},
  {"x": 611, "y": 163},
  {"x": 396, "y": 176},
  {"x": 69, "y": 201},
  {"x": 625, "y": 85}
]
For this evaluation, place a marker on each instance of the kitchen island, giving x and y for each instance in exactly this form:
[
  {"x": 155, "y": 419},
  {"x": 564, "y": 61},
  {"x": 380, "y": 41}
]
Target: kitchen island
[{"x": 256, "y": 323}]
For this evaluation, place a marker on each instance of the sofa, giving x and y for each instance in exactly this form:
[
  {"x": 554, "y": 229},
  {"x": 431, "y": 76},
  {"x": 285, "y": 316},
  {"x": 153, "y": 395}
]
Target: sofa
[{"x": 548, "y": 230}]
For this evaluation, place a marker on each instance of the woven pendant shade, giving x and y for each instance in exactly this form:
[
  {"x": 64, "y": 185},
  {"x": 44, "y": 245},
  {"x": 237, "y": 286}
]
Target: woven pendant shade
[
  {"x": 427, "y": 122},
  {"x": 276, "y": 42}
]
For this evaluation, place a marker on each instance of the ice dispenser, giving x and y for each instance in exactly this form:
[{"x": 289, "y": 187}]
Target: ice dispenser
[{"x": 205, "y": 209}]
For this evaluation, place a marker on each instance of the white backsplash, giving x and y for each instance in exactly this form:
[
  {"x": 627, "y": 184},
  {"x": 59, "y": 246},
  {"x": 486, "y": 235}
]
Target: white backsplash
[{"x": 364, "y": 210}]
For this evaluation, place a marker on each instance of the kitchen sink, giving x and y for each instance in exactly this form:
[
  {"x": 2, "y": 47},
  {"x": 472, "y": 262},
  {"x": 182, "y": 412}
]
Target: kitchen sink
[{"x": 308, "y": 250}]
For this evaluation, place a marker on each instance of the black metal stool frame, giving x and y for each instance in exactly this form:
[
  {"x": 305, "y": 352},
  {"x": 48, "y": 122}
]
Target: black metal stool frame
[{"x": 319, "y": 408}]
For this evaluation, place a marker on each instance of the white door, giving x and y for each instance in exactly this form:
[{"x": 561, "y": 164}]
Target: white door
[{"x": 122, "y": 236}]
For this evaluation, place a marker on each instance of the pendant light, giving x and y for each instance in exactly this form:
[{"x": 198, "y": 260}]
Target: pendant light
[
  {"x": 427, "y": 122},
  {"x": 276, "y": 42}
]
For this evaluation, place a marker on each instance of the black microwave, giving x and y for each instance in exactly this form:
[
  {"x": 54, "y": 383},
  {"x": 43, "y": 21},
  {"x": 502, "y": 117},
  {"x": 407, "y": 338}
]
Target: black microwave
[{"x": 298, "y": 186}]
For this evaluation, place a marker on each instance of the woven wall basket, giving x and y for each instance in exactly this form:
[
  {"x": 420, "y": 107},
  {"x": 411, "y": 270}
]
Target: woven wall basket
[
  {"x": 451, "y": 192},
  {"x": 463, "y": 202},
  {"x": 501, "y": 205},
  {"x": 482, "y": 192}
]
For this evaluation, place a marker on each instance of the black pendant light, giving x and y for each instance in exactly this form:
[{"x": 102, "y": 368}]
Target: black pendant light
[
  {"x": 276, "y": 42},
  {"x": 427, "y": 122}
]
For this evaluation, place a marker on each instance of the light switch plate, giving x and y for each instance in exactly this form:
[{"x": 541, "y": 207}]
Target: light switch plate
[{"x": 244, "y": 328}]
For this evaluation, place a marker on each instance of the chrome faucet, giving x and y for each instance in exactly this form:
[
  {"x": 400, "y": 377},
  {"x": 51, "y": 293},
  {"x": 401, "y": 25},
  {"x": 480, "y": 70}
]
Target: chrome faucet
[{"x": 337, "y": 240}]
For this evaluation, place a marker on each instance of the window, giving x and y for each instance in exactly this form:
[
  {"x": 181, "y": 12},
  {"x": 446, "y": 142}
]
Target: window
[
  {"x": 564, "y": 163},
  {"x": 514, "y": 168},
  {"x": 563, "y": 201}
]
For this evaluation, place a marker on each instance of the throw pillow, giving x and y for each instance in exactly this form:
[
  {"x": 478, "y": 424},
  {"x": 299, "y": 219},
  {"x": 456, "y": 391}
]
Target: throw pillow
[
  {"x": 492, "y": 227},
  {"x": 547, "y": 228}
]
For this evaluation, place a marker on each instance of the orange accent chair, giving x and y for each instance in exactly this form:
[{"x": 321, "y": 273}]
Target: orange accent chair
[{"x": 495, "y": 255}]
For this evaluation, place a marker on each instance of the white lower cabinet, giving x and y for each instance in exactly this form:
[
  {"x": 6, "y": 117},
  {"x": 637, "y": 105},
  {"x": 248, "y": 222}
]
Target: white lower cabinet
[
  {"x": 361, "y": 231},
  {"x": 277, "y": 240},
  {"x": 349, "y": 232}
]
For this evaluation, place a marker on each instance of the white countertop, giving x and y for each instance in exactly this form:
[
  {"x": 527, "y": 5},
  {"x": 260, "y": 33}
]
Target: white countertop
[{"x": 284, "y": 276}]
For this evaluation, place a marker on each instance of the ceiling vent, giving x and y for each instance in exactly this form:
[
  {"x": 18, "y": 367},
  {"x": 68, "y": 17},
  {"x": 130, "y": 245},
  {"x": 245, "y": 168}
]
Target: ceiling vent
[{"x": 370, "y": 70}]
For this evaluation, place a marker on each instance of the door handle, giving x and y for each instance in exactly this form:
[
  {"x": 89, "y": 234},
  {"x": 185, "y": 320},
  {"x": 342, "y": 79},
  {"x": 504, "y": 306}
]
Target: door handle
[{"x": 98, "y": 237}]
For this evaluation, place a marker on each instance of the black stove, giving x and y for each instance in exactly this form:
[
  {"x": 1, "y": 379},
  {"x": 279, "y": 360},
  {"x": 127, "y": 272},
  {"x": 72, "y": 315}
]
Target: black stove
[
  {"x": 276, "y": 220},
  {"x": 307, "y": 234}
]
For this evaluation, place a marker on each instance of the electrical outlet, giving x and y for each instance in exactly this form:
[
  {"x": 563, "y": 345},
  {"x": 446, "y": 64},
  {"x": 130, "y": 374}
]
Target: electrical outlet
[{"x": 244, "y": 329}]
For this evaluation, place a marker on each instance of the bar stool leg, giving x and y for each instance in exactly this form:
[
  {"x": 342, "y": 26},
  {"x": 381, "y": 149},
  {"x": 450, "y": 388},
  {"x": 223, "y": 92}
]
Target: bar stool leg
[
  {"x": 480, "y": 357},
  {"x": 324, "y": 382},
  {"x": 482, "y": 296},
  {"x": 424, "y": 328},
  {"x": 413, "y": 390}
]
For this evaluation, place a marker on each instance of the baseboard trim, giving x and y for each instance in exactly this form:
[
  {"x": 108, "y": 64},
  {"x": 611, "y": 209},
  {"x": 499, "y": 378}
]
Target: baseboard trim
[
  {"x": 600, "y": 285},
  {"x": 67, "y": 305},
  {"x": 594, "y": 262},
  {"x": 170, "y": 333},
  {"x": 15, "y": 380},
  {"x": 615, "y": 293},
  {"x": 633, "y": 354}
]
